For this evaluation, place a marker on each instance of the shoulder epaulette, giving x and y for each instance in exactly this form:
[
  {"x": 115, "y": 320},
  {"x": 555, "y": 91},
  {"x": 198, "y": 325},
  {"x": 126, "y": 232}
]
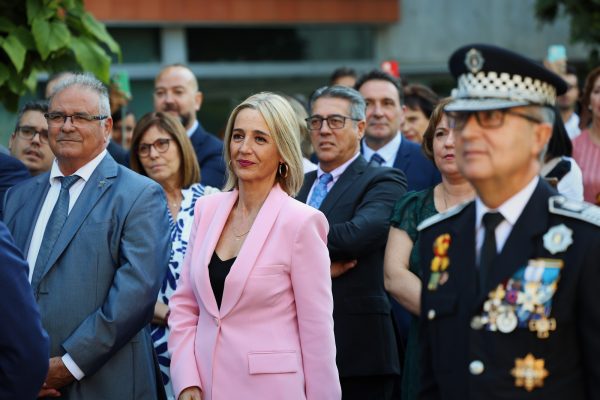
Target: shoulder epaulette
[
  {"x": 575, "y": 209},
  {"x": 434, "y": 219}
]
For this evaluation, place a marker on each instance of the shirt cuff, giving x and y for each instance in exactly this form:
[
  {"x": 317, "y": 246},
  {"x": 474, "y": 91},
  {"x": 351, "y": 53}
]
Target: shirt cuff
[{"x": 72, "y": 367}]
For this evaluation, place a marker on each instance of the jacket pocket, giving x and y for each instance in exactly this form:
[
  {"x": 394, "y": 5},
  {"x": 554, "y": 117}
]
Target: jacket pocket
[
  {"x": 268, "y": 270},
  {"x": 272, "y": 362}
]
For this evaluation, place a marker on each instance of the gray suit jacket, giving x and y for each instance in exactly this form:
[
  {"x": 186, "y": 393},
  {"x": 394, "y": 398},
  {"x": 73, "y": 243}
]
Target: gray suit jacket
[{"x": 99, "y": 286}]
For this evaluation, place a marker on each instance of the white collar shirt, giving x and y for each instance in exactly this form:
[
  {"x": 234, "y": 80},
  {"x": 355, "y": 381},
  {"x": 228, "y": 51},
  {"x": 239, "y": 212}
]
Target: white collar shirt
[
  {"x": 387, "y": 152},
  {"x": 511, "y": 210},
  {"x": 191, "y": 131},
  {"x": 336, "y": 173}
]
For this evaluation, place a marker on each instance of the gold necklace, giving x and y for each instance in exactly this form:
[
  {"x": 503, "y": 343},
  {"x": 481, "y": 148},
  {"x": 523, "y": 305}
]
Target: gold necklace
[{"x": 238, "y": 237}]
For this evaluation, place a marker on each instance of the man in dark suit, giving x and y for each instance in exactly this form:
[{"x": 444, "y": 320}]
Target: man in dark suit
[
  {"x": 510, "y": 280},
  {"x": 357, "y": 199},
  {"x": 24, "y": 354},
  {"x": 12, "y": 171},
  {"x": 176, "y": 91},
  {"x": 94, "y": 235},
  {"x": 383, "y": 142}
]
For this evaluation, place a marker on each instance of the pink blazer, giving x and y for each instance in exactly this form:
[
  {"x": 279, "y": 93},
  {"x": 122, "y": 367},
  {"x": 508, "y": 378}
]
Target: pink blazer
[{"x": 273, "y": 336}]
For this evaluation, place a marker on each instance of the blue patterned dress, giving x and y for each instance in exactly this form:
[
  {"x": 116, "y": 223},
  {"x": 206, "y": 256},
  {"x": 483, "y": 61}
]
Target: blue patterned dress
[{"x": 180, "y": 233}]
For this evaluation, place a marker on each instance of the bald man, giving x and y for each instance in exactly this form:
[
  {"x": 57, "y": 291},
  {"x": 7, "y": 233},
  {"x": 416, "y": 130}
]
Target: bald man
[{"x": 176, "y": 91}]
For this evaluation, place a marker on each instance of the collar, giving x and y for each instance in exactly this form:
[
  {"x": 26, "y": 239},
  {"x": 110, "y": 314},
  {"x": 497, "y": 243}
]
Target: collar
[
  {"x": 512, "y": 208},
  {"x": 339, "y": 170},
  {"x": 84, "y": 172},
  {"x": 191, "y": 131},
  {"x": 388, "y": 152}
]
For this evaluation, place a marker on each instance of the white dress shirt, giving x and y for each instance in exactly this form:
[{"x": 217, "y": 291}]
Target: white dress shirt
[
  {"x": 511, "y": 210},
  {"x": 84, "y": 174},
  {"x": 387, "y": 152},
  {"x": 191, "y": 131},
  {"x": 335, "y": 174}
]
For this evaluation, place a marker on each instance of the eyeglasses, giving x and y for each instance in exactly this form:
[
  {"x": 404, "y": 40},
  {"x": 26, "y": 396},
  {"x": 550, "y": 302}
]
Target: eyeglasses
[
  {"x": 485, "y": 118},
  {"x": 161, "y": 145},
  {"x": 79, "y": 119},
  {"x": 315, "y": 122},
  {"x": 28, "y": 133}
]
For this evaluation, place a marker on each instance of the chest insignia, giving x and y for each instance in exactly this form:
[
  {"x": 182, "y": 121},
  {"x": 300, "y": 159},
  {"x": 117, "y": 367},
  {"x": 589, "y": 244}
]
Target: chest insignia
[
  {"x": 523, "y": 301},
  {"x": 440, "y": 262},
  {"x": 558, "y": 238},
  {"x": 529, "y": 372}
]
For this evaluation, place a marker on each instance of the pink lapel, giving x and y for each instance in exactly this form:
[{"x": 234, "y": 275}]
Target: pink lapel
[
  {"x": 207, "y": 243},
  {"x": 236, "y": 280}
]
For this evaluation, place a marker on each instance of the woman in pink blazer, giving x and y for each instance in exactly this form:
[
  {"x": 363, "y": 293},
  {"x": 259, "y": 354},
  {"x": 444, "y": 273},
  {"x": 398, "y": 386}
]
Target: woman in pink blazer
[{"x": 252, "y": 315}]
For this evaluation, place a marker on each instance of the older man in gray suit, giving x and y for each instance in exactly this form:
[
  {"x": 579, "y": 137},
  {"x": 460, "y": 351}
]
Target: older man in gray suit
[{"x": 96, "y": 239}]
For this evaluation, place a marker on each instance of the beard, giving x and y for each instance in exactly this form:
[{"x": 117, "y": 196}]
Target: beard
[{"x": 185, "y": 119}]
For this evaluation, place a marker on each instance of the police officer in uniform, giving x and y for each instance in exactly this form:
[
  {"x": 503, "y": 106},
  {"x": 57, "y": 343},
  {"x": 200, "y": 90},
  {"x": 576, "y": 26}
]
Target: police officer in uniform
[{"x": 511, "y": 280}]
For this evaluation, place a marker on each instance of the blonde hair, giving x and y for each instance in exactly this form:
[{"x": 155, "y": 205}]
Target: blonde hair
[
  {"x": 281, "y": 121},
  {"x": 190, "y": 169}
]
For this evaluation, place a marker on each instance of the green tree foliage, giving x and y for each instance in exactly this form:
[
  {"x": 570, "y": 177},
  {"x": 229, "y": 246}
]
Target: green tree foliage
[
  {"x": 585, "y": 20},
  {"x": 49, "y": 36}
]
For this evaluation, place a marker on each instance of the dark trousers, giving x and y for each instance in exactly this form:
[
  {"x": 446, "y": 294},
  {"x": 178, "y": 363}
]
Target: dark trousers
[{"x": 377, "y": 387}]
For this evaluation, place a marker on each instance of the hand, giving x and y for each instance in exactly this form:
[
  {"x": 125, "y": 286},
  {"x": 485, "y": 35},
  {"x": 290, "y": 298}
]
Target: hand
[
  {"x": 161, "y": 310},
  {"x": 45, "y": 391},
  {"x": 58, "y": 375},
  {"x": 191, "y": 393},
  {"x": 341, "y": 267}
]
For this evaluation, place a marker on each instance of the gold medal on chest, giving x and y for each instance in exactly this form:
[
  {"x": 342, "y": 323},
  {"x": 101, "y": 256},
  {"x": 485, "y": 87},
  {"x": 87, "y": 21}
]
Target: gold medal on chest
[{"x": 529, "y": 372}]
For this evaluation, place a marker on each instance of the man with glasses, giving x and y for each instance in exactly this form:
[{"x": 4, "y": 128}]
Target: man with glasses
[
  {"x": 94, "y": 236},
  {"x": 29, "y": 141},
  {"x": 357, "y": 199},
  {"x": 510, "y": 280}
]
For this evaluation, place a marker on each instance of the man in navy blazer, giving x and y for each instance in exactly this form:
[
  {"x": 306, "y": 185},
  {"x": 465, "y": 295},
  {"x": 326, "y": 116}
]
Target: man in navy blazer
[
  {"x": 176, "y": 91},
  {"x": 12, "y": 171},
  {"x": 385, "y": 114},
  {"x": 358, "y": 202},
  {"x": 24, "y": 354},
  {"x": 96, "y": 239}
]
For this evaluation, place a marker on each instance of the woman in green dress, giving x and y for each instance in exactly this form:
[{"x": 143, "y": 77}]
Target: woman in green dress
[{"x": 401, "y": 265}]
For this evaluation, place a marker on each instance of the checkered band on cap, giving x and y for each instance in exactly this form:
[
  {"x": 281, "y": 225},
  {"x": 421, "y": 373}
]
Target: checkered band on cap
[{"x": 503, "y": 86}]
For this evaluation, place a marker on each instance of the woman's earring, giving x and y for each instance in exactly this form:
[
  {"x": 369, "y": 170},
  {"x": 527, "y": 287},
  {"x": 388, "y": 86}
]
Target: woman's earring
[{"x": 283, "y": 166}]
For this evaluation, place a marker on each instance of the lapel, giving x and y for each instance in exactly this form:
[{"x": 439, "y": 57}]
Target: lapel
[
  {"x": 520, "y": 246},
  {"x": 23, "y": 230},
  {"x": 246, "y": 259},
  {"x": 100, "y": 181},
  {"x": 309, "y": 179},
  {"x": 208, "y": 243},
  {"x": 402, "y": 160},
  {"x": 462, "y": 263},
  {"x": 344, "y": 182}
]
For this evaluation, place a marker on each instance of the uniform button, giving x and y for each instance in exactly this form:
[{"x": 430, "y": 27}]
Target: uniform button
[
  {"x": 217, "y": 322},
  {"x": 476, "y": 367},
  {"x": 431, "y": 314}
]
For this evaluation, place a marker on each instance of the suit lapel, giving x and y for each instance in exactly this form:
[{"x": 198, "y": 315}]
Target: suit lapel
[
  {"x": 402, "y": 161},
  {"x": 246, "y": 259},
  {"x": 208, "y": 243},
  {"x": 100, "y": 181},
  {"x": 520, "y": 246},
  {"x": 344, "y": 183},
  {"x": 28, "y": 210},
  {"x": 309, "y": 179},
  {"x": 462, "y": 263}
]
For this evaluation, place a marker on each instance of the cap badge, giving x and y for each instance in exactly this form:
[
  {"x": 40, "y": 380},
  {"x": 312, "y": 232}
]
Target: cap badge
[{"x": 474, "y": 60}]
